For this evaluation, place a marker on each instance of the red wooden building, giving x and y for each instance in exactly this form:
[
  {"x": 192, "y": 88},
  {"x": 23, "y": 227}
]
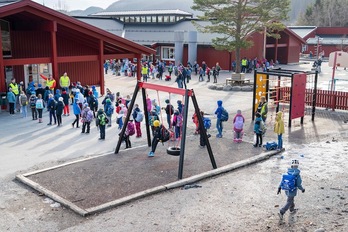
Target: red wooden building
[{"x": 36, "y": 39}]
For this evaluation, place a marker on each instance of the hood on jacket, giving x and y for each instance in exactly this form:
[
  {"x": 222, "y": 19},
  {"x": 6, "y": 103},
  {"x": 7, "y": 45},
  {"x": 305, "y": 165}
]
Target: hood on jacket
[
  {"x": 108, "y": 101},
  {"x": 279, "y": 115},
  {"x": 64, "y": 92},
  {"x": 57, "y": 91},
  {"x": 93, "y": 87},
  {"x": 294, "y": 171},
  {"x": 219, "y": 103}
]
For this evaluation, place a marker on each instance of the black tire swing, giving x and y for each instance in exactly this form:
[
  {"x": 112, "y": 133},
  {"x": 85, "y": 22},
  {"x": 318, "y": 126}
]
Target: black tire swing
[{"x": 174, "y": 150}]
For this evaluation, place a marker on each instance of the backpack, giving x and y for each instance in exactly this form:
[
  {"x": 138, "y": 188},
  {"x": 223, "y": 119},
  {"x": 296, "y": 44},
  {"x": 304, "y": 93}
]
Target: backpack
[
  {"x": 140, "y": 116},
  {"x": 207, "y": 123},
  {"x": 39, "y": 104},
  {"x": 262, "y": 127},
  {"x": 131, "y": 128},
  {"x": 165, "y": 134},
  {"x": 24, "y": 100},
  {"x": 32, "y": 101},
  {"x": 102, "y": 119},
  {"x": 238, "y": 124},
  {"x": 224, "y": 115},
  {"x": 110, "y": 110},
  {"x": 94, "y": 103},
  {"x": 288, "y": 182},
  {"x": 179, "y": 120},
  {"x": 89, "y": 116}
]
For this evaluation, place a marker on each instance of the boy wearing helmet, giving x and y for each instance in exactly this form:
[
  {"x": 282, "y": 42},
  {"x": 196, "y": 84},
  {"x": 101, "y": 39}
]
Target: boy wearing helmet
[
  {"x": 294, "y": 172},
  {"x": 161, "y": 134}
]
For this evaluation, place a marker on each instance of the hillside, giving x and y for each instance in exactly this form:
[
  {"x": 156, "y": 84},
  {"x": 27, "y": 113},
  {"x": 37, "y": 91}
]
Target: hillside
[{"x": 297, "y": 7}]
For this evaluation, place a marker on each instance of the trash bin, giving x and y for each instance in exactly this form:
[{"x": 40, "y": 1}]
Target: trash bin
[{"x": 3, "y": 101}]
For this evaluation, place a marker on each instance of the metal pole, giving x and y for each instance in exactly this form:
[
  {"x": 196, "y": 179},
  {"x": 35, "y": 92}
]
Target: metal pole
[
  {"x": 129, "y": 112},
  {"x": 254, "y": 96},
  {"x": 201, "y": 128},
  {"x": 333, "y": 81},
  {"x": 146, "y": 113},
  {"x": 314, "y": 97},
  {"x": 278, "y": 93},
  {"x": 183, "y": 136}
]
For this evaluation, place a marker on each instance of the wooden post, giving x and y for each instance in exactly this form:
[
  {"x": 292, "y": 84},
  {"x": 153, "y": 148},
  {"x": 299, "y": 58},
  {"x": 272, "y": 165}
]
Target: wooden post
[
  {"x": 101, "y": 67},
  {"x": 2, "y": 69},
  {"x": 54, "y": 59},
  {"x": 138, "y": 67}
]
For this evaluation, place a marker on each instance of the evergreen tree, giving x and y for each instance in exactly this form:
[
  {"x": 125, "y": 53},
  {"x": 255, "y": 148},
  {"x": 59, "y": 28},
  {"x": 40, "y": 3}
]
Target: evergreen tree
[{"x": 235, "y": 20}]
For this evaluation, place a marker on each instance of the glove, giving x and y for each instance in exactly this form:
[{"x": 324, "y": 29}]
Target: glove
[
  {"x": 279, "y": 189},
  {"x": 303, "y": 190}
]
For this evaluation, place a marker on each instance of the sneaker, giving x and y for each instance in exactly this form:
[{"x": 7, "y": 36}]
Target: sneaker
[
  {"x": 151, "y": 154},
  {"x": 280, "y": 215},
  {"x": 49, "y": 124},
  {"x": 293, "y": 211}
]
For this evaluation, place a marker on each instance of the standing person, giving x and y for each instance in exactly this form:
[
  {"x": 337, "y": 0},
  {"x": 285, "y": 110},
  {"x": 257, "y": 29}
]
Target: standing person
[
  {"x": 101, "y": 122},
  {"x": 196, "y": 122},
  {"x": 177, "y": 123},
  {"x": 59, "y": 110},
  {"x": 214, "y": 74},
  {"x": 196, "y": 66},
  {"x": 169, "y": 111},
  {"x": 262, "y": 108},
  {"x": 15, "y": 90},
  {"x": 238, "y": 124},
  {"x": 152, "y": 118},
  {"x": 279, "y": 129},
  {"x": 23, "y": 102},
  {"x": 119, "y": 119},
  {"x": 64, "y": 81},
  {"x": 138, "y": 116},
  {"x": 160, "y": 70},
  {"x": 87, "y": 117},
  {"x": 144, "y": 72},
  {"x": 170, "y": 69},
  {"x": 40, "y": 90},
  {"x": 77, "y": 112},
  {"x": 258, "y": 130},
  {"x": 109, "y": 111},
  {"x": 206, "y": 125},
  {"x": 51, "y": 105},
  {"x": 40, "y": 105},
  {"x": 208, "y": 74},
  {"x": 65, "y": 97},
  {"x": 32, "y": 104},
  {"x": 217, "y": 68},
  {"x": 204, "y": 67},
  {"x": 50, "y": 82},
  {"x": 95, "y": 92},
  {"x": 57, "y": 95},
  {"x": 11, "y": 98},
  {"x": 201, "y": 74},
  {"x": 244, "y": 65},
  {"x": 93, "y": 103},
  {"x": 294, "y": 181},
  {"x": 218, "y": 113},
  {"x": 129, "y": 132},
  {"x": 106, "y": 67},
  {"x": 156, "y": 107}
]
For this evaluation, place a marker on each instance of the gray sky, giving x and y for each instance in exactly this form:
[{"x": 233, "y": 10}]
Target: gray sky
[{"x": 76, "y": 4}]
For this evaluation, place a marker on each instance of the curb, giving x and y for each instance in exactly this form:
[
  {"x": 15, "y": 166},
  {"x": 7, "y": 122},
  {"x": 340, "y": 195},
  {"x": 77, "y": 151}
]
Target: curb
[{"x": 190, "y": 180}]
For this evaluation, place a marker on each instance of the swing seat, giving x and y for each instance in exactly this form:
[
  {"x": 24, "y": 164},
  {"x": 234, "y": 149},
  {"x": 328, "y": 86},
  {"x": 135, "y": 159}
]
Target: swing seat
[{"x": 174, "y": 151}]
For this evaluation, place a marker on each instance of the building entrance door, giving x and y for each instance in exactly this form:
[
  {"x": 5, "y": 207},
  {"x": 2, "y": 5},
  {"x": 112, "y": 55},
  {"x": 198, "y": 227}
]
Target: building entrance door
[{"x": 32, "y": 73}]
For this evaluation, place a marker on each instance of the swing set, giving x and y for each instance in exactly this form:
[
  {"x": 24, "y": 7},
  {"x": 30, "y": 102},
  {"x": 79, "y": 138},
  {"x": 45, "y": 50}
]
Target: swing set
[{"x": 175, "y": 150}]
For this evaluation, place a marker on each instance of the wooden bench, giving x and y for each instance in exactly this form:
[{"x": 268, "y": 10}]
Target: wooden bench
[{"x": 237, "y": 80}]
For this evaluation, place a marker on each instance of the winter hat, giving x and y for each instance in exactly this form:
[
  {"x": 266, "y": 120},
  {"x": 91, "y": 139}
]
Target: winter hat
[
  {"x": 156, "y": 123},
  {"x": 93, "y": 87},
  {"x": 85, "y": 105},
  {"x": 90, "y": 93},
  {"x": 33, "y": 93},
  {"x": 39, "y": 85},
  {"x": 60, "y": 99},
  {"x": 179, "y": 102},
  {"x": 100, "y": 111},
  {"x": 167, "y": 101},
  {"x": 239, "y": 112},
  {"x": 295, "y": 163},
  {"x": 108, "y": 101}
]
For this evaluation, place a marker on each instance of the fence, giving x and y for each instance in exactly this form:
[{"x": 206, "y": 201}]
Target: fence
[{"x": 325, "y": 98}]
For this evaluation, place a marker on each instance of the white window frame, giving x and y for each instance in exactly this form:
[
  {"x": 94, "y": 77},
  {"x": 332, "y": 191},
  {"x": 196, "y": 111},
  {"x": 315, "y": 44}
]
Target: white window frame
[{"x": 168, "y": 58}]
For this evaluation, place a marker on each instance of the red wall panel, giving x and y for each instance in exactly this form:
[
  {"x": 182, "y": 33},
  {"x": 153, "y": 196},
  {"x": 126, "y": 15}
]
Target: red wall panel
[
  {"x": 85, "y": 72},
  {"x": 30, "y": 44},
  {"x": 70, "y": 47}
]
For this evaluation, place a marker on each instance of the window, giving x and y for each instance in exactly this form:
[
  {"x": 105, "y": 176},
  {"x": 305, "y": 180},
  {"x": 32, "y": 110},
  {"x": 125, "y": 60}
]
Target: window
[
  {"x": 142, "y": 18},
  {"x": 148, "y": 19},
  {"x": 166, "y": 19},
  {"x": 154, "y": 19},
  {"x": 6, "y": 40},
  {"x": 172, "y": 19},
  {"x": 168, "y": 53}
]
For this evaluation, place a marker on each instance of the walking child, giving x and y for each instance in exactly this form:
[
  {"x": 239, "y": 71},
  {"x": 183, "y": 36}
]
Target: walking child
[
  {"x": 258, "y": 130},
  {"x": 279, "y": 129},
  {"x": 130, "y": 130},
  {"x": 87, "y": 118},
  {"x": 59, "y": 110},
  {"x": 23, "y": 101},
  {"x": 138, "y": 116},
  {"x": 238, "y": 124},
  {"x": 40, "y": 105},
  {"x": 101, "y": 121},
  {"x": 291, "y": 181},
  {"x": 32, "y": 104}
]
